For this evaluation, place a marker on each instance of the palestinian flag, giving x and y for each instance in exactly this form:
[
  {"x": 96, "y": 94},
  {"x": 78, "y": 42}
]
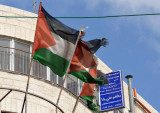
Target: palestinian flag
[
  {"x": 81, "y": 62},
  {"x": 54, "y": 42},
  {"x": 88, "y": 91}
]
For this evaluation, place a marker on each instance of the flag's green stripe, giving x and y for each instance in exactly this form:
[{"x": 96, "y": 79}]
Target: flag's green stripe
[
  {"x": 90, "y": 103},
  {"x": 86, "y": 77},
  {"x": 56, "y": 63},
  {"x": 93, "y": 106},
  {"x": 88, "y": 98}
]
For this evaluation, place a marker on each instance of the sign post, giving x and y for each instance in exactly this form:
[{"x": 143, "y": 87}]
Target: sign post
[{"x": 112, "y": 94}]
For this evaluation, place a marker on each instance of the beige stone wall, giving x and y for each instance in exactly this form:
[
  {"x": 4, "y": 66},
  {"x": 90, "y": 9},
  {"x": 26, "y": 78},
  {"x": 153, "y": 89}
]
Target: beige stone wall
[
  {"x": 0, "y": 108},
  {"x": 21, "y": 28},
  {"x": 149, "y": 107},
  {"x": 13, "y": 102}
]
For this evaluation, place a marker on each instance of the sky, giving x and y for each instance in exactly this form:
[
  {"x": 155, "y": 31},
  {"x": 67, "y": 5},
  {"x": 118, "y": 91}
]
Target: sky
[{"x": 134, "y": 42}]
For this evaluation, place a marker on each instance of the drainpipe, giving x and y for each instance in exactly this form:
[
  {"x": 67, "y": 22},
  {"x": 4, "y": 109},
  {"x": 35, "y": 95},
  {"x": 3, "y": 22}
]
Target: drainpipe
[{"x": 130, "y": 91}]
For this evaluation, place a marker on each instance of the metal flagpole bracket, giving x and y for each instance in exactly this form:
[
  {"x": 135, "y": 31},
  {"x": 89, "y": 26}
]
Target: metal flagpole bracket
[
  {"x": 35, "y": 95},
  {"x": 6, "y": 95}
]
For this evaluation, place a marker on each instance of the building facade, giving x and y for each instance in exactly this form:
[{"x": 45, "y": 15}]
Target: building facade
[{"x": 16, "y": 41}]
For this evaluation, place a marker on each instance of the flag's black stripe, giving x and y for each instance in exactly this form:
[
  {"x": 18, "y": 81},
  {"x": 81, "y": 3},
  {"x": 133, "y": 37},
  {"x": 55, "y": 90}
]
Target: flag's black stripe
[{"x": 60, "y": 29}]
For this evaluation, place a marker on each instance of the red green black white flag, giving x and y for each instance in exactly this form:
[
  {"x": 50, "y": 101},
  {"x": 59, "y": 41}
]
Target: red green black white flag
[
  {"x": 82, "y": 61},
  {"x": 54, "y": 42}
]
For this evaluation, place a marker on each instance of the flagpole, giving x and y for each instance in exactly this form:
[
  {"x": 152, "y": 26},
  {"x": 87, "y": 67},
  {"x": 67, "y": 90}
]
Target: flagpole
[
  {"x": 75, "y": 106},
  {"x": 68, "y": 68},
  {"x": 25, "y": 98}
]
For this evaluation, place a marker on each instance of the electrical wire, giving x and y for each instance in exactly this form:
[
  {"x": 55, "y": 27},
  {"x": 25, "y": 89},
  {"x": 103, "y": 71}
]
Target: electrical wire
[{"x": 88, "y": 16}]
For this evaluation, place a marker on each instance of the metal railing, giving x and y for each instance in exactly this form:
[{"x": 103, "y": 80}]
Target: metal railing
[
  {"x": 18, "y": 61},
  {"x": 35, "y": 95}
]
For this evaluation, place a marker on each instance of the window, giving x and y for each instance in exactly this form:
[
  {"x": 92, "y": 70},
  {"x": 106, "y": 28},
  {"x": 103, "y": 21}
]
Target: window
[
  {"x": 81, "y": 84},
  {"x": 53, "y": 77},
  {"x": 4, "y": 53},
  {"x": 39, "y": 70},
  {"x": 21, "y": 57},
  {"x": 18, "y": 57},
  {"x": 60, "y": 80},
  {"x": 72, "y": 84}
]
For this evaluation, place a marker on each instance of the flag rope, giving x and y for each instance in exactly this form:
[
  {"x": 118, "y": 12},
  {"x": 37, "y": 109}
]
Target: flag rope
[
  {"x": 68, "y": 68},
  {"x": 83, "y": 17}
]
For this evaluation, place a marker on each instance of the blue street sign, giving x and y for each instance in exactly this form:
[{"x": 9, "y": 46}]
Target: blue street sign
[{"x": 112, "y": 94}]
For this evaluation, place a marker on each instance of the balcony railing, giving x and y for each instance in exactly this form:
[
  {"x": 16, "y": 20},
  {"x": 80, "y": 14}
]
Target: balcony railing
[{"x": 18, "y": 61}]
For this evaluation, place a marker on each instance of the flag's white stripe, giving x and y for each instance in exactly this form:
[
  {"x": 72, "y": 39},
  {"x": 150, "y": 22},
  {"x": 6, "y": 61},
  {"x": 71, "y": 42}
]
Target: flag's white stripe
[{"x": 62, "y": 48}]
